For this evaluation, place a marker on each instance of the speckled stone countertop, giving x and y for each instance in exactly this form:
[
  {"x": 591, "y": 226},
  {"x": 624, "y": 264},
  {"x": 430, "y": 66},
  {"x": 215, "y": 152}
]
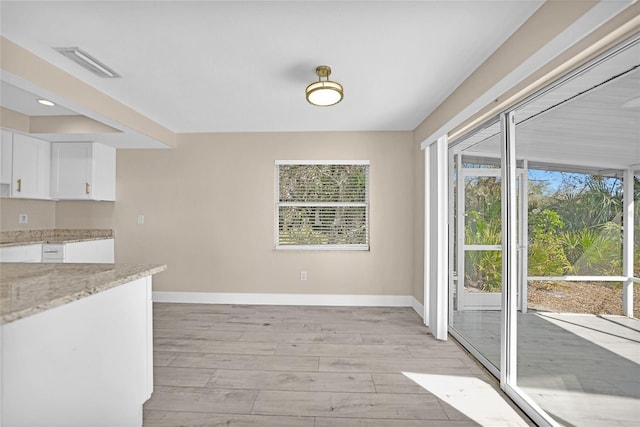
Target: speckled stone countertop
[
  {"x": 30, "y": 288},
  {"x": 30, "y": 237}
]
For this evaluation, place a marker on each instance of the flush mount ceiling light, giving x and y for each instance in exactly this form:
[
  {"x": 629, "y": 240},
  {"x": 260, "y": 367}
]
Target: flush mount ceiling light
[
  {"x": 324, "y": 93},
  {"x": 87, "y": 61},
  {"x": 46, "y": 102}
]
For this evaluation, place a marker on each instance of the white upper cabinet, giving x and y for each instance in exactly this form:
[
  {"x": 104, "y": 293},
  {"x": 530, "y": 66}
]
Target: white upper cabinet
[
  {"x": 31, "y": 168},
  {"x": 6, "y": 150},
  {"x": 83, "y": 171},
  {"x": 34, "y": 169}
]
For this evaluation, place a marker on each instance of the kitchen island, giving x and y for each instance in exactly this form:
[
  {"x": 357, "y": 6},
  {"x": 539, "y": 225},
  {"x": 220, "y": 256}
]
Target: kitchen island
[{"x": 76, "y": 343}]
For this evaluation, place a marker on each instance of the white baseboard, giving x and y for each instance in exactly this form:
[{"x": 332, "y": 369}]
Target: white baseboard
[
  {"x": 289, "y": 299},
  {"x": 418, "y": 307}
]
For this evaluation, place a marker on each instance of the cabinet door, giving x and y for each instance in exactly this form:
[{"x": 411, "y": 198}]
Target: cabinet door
[
  {"x": 71, "y": 164},
  {"x": 21, "y": 253},
  {"x": 5, "y": 157},
  {"x": 31, "y": 168},
  {"x": 44, "y": 170},
  {"x": 83, "y": 171},
  {"x": 104, "y": 172},
  {"x": 92, "y": 251}
]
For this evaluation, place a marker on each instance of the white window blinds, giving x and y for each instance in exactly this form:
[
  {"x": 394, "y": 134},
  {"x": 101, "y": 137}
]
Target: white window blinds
[{"x": 322, "y": 205}]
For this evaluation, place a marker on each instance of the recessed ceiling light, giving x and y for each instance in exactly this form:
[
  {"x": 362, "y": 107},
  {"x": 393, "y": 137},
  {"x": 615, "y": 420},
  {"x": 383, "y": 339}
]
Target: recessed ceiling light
[{"x": 46, "y": 102}]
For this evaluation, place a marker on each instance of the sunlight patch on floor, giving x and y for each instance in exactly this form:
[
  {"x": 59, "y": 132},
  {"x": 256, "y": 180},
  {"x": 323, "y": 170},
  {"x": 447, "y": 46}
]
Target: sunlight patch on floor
[
  {"x": 579, "y": 408},
  {"x": 471, "y": 396},
  {"x": 616, "y": 334}
]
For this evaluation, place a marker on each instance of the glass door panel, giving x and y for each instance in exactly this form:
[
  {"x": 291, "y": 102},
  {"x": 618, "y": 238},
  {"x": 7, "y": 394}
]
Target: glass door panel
[
  {"x": 578, "y": 352},
  {"x": 476, "y": 237}
]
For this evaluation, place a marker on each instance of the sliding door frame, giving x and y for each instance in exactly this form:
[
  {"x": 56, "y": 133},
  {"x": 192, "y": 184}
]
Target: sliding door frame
[{"x": 514, "y": 243}]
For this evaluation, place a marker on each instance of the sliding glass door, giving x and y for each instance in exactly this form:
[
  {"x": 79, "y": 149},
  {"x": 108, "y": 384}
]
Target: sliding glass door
[{"x": 545, "y": 255}]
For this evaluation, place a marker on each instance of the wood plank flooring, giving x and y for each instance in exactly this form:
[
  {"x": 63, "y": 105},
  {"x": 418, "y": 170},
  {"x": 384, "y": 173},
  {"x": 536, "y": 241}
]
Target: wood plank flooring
[{"x": 301, "y": 366}]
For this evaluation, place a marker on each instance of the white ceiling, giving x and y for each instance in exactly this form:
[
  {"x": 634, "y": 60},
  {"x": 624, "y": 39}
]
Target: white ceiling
[{"x": 211, "y": 66}]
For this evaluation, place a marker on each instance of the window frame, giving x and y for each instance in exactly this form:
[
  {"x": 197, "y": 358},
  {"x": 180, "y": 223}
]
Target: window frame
[{"x": 329, "y": 247}]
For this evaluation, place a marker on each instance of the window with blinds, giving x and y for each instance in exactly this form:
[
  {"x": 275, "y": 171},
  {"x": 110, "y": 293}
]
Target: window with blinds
[{"x": 322, "y": 205}]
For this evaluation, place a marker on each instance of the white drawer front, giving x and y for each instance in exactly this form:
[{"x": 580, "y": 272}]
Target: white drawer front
[{"x": 52, "y": 252}]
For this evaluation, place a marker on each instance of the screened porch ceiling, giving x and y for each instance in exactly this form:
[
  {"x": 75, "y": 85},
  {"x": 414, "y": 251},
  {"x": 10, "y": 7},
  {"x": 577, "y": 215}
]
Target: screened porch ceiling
[{"x": 590, "y": 123}]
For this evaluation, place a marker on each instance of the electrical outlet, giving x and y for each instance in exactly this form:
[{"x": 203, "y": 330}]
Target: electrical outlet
[
  {"x": 23, "y": 218},
  {"x": 303, "y": 275},
  {"x": 140, "y": 219}
]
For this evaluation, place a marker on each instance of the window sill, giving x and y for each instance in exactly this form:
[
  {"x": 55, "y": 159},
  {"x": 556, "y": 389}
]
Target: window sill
[{"x": 322, "y": 248}]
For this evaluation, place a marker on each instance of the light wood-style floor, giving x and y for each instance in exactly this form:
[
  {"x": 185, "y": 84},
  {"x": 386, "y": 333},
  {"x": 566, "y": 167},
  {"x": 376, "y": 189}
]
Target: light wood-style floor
[{"x": 306, "y": 366}]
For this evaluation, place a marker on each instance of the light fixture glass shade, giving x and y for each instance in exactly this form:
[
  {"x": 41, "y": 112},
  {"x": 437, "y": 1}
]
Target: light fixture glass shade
[{"x": 324, "y": 93}]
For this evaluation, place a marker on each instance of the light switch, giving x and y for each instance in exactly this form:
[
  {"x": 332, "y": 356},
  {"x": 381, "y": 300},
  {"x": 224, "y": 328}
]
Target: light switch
[
  {"x": 140, "y": 219},
  {"x": 23, "y": 218}
]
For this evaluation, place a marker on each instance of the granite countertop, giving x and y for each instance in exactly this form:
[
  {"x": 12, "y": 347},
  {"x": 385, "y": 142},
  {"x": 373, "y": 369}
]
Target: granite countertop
[
  {"x": 30, "y": 288},
  {"x": 60, "y": 236}
]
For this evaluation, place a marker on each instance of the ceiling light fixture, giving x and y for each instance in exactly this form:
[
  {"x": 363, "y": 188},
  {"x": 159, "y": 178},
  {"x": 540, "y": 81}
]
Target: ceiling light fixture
[
  {"x": 324, "y": 93},
  {"x": 87, "y": 61},
  {"x": 46, "y": 102}
]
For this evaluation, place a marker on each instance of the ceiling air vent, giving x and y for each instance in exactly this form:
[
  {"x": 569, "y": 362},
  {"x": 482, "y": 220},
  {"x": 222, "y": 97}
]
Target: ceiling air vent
[{"x": 87, "y": 61}]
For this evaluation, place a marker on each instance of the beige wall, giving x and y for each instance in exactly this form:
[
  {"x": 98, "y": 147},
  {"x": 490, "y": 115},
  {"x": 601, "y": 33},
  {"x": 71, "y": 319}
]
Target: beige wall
[
  {"x": 84, "y": 214},
  {"x": 42, "y": 214},
  {"x": 13, "y": 120},
  {"x": 209, "y": 214},
  {"x": 47, "y": 214}
]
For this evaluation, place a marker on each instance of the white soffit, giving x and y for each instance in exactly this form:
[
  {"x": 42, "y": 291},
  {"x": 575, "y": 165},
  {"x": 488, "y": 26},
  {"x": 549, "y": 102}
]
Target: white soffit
[
  {"x": 21, "y": 96},
  {"x": 242, "y": 66},
  {"x": 24, "y": 102}
]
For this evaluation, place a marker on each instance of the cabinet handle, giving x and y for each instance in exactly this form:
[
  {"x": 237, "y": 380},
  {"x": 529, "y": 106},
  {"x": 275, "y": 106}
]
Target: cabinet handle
[
  {"x": 19, "y": 185},
  {"x": 86, "y": 188}
]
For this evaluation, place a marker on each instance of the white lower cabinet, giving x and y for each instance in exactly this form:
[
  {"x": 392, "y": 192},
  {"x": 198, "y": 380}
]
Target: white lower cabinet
[
  {"x": 90, "y": 251},
  {"x": 85, "y": 363},
  {"x": 23, "y": 253}
]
